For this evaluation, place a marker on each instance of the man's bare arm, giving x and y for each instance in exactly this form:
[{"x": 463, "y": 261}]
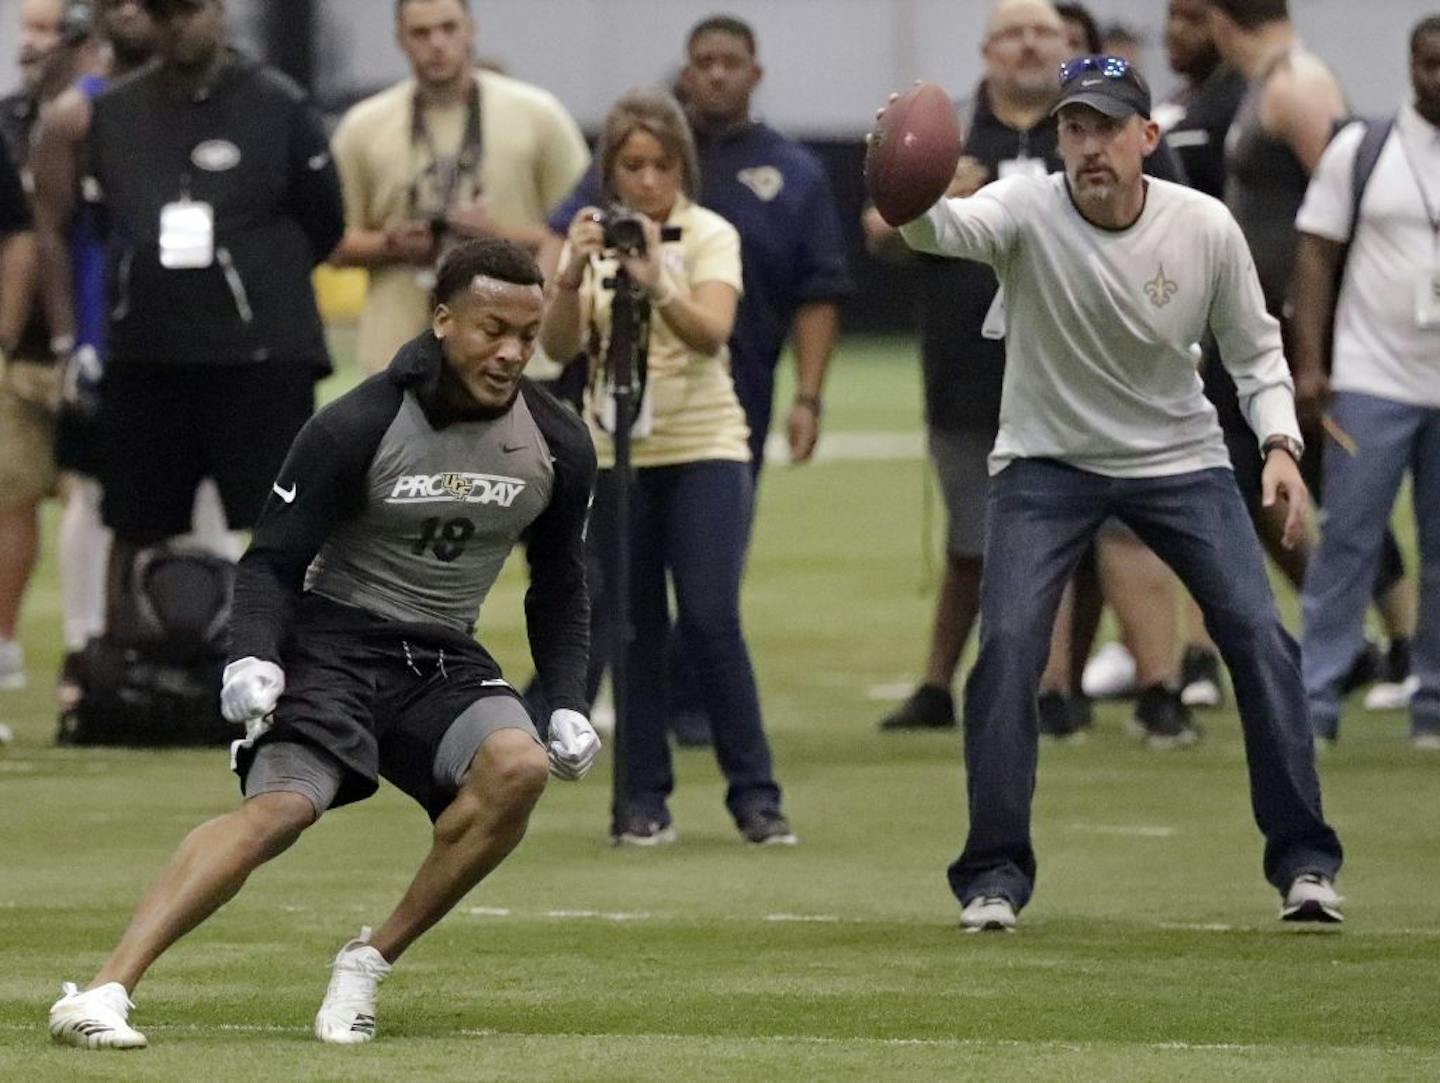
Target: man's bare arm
[
  {"x": 1302, "y": 106},
  {"x": 56, "y": 162},
  {"x": 1317, "y": 268}
]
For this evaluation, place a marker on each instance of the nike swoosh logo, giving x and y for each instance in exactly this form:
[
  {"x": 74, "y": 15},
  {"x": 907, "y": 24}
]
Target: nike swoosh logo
[
  {"x": 508, "y": 449},
  {"x": 1091, "y": 82},
  {"x": 287, "y": 495}
]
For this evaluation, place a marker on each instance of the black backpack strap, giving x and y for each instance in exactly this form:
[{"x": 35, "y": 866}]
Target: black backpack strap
[{"x": 1366, "y": 157}]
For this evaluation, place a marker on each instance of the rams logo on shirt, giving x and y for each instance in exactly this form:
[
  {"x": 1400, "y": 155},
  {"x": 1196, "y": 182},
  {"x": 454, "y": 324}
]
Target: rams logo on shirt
[
  {"x": 764, "y": 180},
  {"x": 456, "y": 485}
]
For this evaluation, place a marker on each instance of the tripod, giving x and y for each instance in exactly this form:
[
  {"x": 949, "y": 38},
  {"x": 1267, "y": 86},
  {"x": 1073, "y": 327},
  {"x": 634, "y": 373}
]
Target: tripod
[{"x": 625, "y": 359}]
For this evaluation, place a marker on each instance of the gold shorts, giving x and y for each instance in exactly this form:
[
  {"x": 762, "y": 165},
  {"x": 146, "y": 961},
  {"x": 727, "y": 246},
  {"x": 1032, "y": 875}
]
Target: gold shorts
[{"x": 29, "y": 396}]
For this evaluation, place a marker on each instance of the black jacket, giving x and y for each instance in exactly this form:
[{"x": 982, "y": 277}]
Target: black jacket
[{"x": 254, "y": 149}]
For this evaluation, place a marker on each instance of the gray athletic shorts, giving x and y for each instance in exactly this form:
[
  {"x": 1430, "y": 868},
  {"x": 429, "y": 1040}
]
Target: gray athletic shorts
[
  {"x": 283, "y": 766},
  {"x": 961, "y": 463}
]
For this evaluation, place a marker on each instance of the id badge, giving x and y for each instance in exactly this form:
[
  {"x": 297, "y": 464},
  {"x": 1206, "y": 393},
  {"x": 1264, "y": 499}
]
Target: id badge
[
  {"x": 1427, "y": 301},
  {"x": 1024, "y": 167},
  {"x": 994, "y": 326},
  {"x": 187, "y": 235}
]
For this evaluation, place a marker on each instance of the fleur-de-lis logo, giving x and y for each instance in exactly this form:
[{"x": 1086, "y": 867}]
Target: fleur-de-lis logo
[{"x": 1160, "y": 289}]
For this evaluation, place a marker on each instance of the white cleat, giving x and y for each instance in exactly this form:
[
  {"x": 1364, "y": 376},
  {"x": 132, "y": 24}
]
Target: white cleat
[
  {"x": 1426, "y": 742},
  {"x": 347, "y": 1017},
  {"x": 988, "y": 914},
  {"x": 94, "y": 1019},
  {"x": 1392, "y": 695},
  {"x": 1312, "y": 897},
  {"x": 1110, "y": 674}
]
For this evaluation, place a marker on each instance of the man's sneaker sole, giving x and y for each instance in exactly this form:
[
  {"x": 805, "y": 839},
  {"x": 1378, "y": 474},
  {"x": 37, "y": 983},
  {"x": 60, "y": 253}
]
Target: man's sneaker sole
[
  {"x": 664, "y": 837},
  {"x": 1313, "y": 911},
  {"x": 1162, "y": 742},
  {"x": 1392, "y": 695},
  {"x": 1203, "y": 693},
  {"x": 788, "y": 838},
  {"x": 988, "y": 915}
]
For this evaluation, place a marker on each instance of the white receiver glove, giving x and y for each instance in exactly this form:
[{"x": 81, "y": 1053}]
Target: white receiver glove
[
  {"x": 249, "y": 690},
  {"x": 573, "y": 746}
]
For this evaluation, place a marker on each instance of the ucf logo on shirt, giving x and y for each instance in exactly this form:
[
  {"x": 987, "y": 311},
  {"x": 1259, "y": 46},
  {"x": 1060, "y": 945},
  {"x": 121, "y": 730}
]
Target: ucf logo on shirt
[{"x": 456, "y": 486}]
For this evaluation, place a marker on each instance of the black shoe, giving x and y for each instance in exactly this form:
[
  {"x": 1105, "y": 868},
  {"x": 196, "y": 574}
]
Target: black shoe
[
  {"x": 1200, "y": 678},
  {"x": 636, "y": 829},
  {"x": 766, "y": 827},
  {"x": 929, "y": 707},
  {"x": 1062, "y": 717},
  {"x": 1367, "y": 668},
  {"x": 691, "y": 729},
  {"x": 1162, "y": 721}
]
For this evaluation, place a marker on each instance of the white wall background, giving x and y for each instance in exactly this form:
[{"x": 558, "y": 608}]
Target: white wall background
[{"x": 829, "y": 62}]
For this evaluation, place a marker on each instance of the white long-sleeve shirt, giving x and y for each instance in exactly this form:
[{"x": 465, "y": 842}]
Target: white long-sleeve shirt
[{"x": 1101, "y": 325}]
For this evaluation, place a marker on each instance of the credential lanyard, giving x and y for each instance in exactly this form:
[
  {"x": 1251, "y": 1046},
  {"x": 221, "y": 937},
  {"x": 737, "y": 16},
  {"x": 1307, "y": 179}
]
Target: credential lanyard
[
  {"x": 472, "y": 147},
  {"x": 1431, "y": 215}
]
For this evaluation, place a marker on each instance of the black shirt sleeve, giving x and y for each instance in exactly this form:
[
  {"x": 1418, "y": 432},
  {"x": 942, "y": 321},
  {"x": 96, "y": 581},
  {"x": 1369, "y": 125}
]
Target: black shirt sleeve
[
  {"x": 557, "y": 605},
  {"x": 321, "y": 484},
  {"x": 313, "y": 196},
  {"x": 14, "y": 207}
]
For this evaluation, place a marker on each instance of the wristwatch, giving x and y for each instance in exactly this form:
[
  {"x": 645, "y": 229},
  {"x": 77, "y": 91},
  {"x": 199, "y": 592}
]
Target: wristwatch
[{"x": 1288, "y": 444}]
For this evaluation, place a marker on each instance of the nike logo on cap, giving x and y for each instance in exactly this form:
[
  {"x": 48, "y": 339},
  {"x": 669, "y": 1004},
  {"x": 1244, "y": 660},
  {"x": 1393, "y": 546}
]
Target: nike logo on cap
[
  {"x": 287, "y": 495},
  {"x": 1091, "y": 82}
]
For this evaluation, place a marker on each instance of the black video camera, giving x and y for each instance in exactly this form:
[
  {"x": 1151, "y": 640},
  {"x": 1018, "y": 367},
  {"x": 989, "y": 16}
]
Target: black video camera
[{"x": 624, "y": 231}]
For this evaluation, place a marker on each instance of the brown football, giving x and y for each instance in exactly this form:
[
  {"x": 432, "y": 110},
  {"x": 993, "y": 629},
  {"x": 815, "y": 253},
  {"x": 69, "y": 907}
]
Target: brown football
[{"x": 912, "y": 154}]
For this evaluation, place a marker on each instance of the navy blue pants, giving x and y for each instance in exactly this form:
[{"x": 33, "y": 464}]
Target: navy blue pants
[
  {"x": 690, "y": 526},
  {"x": 1042, "y": 516}
]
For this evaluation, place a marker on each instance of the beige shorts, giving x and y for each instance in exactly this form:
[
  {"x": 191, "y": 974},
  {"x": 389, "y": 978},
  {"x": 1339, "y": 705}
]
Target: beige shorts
[{"x": 29, "y": 395}]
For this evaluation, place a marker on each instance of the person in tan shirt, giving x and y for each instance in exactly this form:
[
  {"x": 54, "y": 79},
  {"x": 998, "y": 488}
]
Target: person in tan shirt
[
  {"x": 692, "y": 487},
  {"x": 450, "y": 154}
]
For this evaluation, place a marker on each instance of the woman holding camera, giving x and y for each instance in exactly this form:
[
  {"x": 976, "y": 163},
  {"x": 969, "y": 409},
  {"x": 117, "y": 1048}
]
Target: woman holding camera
[{"x": 691, "y": 495}]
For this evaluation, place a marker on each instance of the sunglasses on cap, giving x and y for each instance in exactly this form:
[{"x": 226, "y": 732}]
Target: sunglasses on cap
[{"x": 1112, "y": 67}]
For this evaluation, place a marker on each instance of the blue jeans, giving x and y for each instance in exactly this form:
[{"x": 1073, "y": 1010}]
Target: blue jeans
[
  {"x": 1360, "y": 490},
  {"x": 1042, "y": 516},
  {"x": 690, "y": 525}
]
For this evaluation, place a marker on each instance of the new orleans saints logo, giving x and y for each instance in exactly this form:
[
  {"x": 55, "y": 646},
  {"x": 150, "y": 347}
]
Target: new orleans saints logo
[
  {"x": 1160, "y": 289},
  {"x": 457, "y": 485}
]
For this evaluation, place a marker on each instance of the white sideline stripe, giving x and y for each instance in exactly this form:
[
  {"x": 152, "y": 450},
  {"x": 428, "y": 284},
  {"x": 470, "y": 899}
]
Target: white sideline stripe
[
  {"x": 1139, "y": 831},
  {"x": 782, "y": 917},
  {"x": 858, "y": 446},
  {"x": 764, "y": 1039}
]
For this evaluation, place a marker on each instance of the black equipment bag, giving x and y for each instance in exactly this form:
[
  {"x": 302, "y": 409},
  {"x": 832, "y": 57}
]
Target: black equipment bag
[{"x": 154, "y": 678}]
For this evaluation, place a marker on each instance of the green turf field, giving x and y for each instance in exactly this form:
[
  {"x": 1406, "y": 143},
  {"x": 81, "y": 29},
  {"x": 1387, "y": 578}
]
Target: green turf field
[{"x": 1151, "y": 950}]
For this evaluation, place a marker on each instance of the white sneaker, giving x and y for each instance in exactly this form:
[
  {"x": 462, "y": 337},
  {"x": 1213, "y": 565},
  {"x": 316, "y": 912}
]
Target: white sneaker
[
  {"x": 1110, "y": 674},
  {"x": 347, "y": 1017},
  {"x": 988, "y": 914},
  {"x": 1312, "y": 897},
  {"x": 1425, "y": 742},
  {"x": 12, "y": 667},
  {"x": 1392, "y": 695},
  {"x": 95, "y": 1019}
]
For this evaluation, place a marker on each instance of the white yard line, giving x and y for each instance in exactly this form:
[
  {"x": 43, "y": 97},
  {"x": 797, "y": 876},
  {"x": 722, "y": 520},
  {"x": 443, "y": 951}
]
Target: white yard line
[{"x": 855, "y": 446}]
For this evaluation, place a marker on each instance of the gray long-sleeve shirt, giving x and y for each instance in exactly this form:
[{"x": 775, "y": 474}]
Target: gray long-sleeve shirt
[{"x": 1102, "y": 325}]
